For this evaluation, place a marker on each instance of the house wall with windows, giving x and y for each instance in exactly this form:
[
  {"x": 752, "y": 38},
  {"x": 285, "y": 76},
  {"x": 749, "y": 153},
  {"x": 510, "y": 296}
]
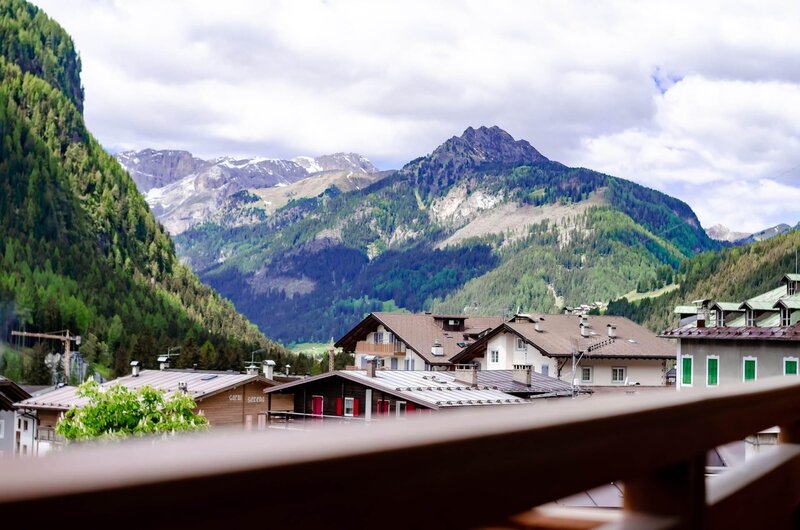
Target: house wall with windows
[
  {"x": 615, "y": 372},
  {"x": 24, "y": 429},
  {"x": 736, "y": 358},
  {"x": 507, "y": 349},
  {"x": 338, "y": 397}
]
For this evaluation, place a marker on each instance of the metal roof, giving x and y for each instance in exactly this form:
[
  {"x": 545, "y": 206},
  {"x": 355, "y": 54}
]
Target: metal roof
[
  {"x": 503, "y": 380},
  {"x": 791, "y": 333},
  {"x": 685, "y": 310},
  {"x": 434, "y": 389},
  {"x": 726, "y": 306},
  {"x": 198, "y": 383},
  {"x": 791, "y": 302}
]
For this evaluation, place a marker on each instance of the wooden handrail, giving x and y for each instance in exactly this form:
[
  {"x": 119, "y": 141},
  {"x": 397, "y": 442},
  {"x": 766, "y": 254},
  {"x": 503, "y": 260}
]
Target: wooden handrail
[{"x": 455, "y": 469}]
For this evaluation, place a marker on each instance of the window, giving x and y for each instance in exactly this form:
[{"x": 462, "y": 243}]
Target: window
[
  {"x": 790, "y": 365},
  {"x": 378, "y": 337},
  {"x": 364, "y": 362},
  {"x": 545, "y": 369},
  {"x": 394, "y": 363},
  {"x": 750, "y": 368},
  {"x": 349, "y": 406},
  {"x": 712, "y": 370},
  {"x": 786, "y": 317},
  {"x": 521, "y": 344},
  {"x": 25, "y": 425},
  {"x": 401, "y": 408},
  {"x": 751, "y": 318},
  {"x": 586, "y": 374},
  {"x": 2, "y": 428},
  {"x": 686, "y": 370},
  {"x": 494, "y": 356},
  {"x": 618, "y": 374}
]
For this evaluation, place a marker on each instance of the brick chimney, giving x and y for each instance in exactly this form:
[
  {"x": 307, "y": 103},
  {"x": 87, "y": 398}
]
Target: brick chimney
[
  {"x": 467, "y": 373},
  {"x": 522, "y": 374},
  {"x": 372, "y": 365}
]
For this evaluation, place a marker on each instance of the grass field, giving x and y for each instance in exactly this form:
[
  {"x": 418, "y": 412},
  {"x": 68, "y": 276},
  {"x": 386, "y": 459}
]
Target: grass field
[{"x": 633, "y": 296}]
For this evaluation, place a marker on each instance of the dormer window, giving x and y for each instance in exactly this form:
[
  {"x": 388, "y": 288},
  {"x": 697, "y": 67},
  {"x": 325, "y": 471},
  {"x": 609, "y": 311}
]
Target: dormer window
[
  {"x": 786, "y": 316},
  {"x": 792, "y": 288},
  {"x": 750, "y": 316}
]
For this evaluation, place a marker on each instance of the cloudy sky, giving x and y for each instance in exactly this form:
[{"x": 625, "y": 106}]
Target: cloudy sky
[{"x": 700, "y": 100}]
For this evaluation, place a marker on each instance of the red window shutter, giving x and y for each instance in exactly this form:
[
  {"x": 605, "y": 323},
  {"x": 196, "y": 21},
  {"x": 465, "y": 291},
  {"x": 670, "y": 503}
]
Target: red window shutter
[
  {"x": 338, "y": 406},
  {"x": 355, "y": 407},
  {"x": 409, "y": 408}
]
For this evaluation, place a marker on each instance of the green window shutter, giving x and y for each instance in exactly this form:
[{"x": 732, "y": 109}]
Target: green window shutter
[
  {"x": 687, "y": 371},
  {"x": 713, "y": 372},
  {"x": 749, "y": 369},
  {"x": 791, "y": 367}
]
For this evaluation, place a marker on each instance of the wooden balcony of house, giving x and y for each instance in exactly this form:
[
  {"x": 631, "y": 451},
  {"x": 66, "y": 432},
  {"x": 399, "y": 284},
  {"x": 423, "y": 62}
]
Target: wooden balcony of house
[
  {"x": 370, "y": 348},
  {"x": 498, "y": 468}
]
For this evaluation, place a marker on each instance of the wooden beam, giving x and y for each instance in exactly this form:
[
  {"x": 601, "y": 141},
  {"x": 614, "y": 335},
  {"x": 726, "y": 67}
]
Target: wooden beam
[{"x": 511, "y": 457}]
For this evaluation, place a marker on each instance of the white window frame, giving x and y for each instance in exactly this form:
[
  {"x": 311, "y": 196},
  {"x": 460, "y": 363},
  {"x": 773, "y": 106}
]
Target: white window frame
[
  {"x": 591, "y": 374},
  {"x": 379, "y": 337},
  {"x": 494, "y": 356},
  {"x": 786, "y": 317},
  {"x": 521, "y": 346},
  {"x": 2, "y": 429},
  {"x": 788, "y": 358},
  {"x": 750, "y": 318},
  {"x": 744, "y": 360},
  {"x": 352, "y": 403},
  {"x": 398, "y": 413},
  {"x": 680, "y": 375},
  {"x": 709, "y": 357},
  {"x": 624, "y": 375}
]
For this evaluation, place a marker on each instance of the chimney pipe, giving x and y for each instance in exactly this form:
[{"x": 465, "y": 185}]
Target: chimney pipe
[
  {"x": 538, "y": 325},
  {"x": 372, "y": 365},
  {"x": 584, "y": 330},
  {"x": 135, "y": 368},
  {"x": 251, "y": 369},
  {"x": 268, "y": 367},
  {"x": 522, "y": 374},
  {"x": 331, "y": 357},
  {"x": 467, "y": 373},
  {"x": 183, "y": 386},
  {"x": 437, "y": 348},
  {"x": 612, "y": 331}
]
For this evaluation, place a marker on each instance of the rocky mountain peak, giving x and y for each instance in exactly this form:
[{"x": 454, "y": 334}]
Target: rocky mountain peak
[{"x": 465, "y": 155}]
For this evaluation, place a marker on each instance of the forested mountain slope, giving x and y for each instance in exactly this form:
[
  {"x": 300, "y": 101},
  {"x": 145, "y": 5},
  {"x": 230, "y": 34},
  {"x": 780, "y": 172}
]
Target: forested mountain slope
[
  {"x": 80, "y": 248},
  {"x": 728, "y": 275},
  {"x": 484, "y": 224}
]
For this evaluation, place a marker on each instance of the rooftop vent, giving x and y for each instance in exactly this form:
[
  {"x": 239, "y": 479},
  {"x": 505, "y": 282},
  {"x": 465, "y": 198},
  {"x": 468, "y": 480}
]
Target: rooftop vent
[
  {"x": 437, "y": 349},
  {"x": 584, "y": 330},
  {"x": 268, "y": 368},
  {"x": 183, "y": 386},
  {"x": 135, "y": 368},
  {"x": 538, "y": 326},
  {"x": 612, "y": 331},
  {"x": 372, "y": 365}
]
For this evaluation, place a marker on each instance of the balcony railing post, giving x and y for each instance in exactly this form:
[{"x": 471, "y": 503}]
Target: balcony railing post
[{"x": 676, "y": 491}]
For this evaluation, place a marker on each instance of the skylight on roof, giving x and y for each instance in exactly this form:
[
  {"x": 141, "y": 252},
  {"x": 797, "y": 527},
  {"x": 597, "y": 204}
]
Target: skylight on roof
[{"x": 209, "y": 377}]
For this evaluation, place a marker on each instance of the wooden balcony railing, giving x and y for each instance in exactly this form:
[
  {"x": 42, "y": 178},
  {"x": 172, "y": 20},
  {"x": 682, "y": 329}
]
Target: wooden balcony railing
[
  {"x": 363, "y": 346},
  {"x": 459, "y": 469}
]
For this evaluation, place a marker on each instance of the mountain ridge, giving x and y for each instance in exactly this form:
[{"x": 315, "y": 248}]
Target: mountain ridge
[
  {"x": 184, "y": 190},
  {"x": 576, "y": 234}
]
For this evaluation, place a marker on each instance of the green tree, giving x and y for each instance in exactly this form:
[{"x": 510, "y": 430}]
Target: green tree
[
  {"x": 37, "y": 372},
  {"x": 208, "y": 356},
  {"x": 118, "y": 412}
]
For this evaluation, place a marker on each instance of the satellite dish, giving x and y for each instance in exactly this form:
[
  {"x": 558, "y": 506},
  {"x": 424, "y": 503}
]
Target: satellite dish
[{"x": 51, "y": 360}]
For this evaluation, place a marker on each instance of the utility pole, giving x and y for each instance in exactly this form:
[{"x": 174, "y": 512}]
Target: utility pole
[{"x": 61, "y": 336}]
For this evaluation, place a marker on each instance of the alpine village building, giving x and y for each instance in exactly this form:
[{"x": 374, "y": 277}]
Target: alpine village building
[
  {"x": 723, "y": 342},
  {"x": 608, "y": 351},
  {"x": 380, "y": 393},
  {"x": 226, "y": 399}
]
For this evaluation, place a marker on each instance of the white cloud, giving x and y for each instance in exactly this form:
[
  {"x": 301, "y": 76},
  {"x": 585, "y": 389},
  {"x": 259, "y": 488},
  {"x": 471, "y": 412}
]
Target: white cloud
[{"x": 684, "y": 96}]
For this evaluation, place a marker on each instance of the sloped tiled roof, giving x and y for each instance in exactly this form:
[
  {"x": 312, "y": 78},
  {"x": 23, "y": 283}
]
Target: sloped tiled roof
[
  {"x": 419, "y": 331},
  {"x": 199, "y": 384},
  {"x": 561, "y": 335}
]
